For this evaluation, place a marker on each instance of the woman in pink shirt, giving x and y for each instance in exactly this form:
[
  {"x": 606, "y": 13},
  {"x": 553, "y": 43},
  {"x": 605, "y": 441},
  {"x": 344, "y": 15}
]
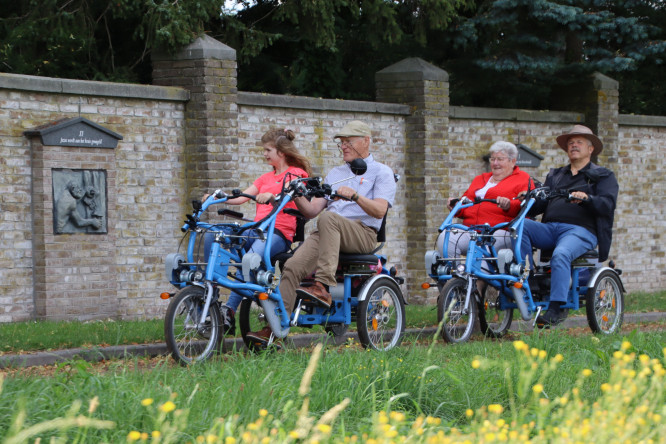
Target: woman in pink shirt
[{"x": 281, "y": 154}]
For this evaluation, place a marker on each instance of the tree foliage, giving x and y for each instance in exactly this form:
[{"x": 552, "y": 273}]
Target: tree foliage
[
  {"x": 518, "y": 52},
  {"x": 329, "y": 48},
  {"x": 499, "y": 53},
  {"x": 96, "y": 39}
]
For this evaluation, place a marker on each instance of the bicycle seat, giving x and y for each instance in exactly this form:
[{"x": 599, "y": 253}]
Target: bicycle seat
[
  {"x": 299, "y": 236},
  {"x": 546, "y": 255}
]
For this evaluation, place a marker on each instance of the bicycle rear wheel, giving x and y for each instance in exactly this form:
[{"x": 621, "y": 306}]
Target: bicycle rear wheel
[
  {"x": 493, "y": 321},
  {"x": 604, "y": 303},
  {"x": 458, "y": 320},
  {"x": 380, "y": 317}
]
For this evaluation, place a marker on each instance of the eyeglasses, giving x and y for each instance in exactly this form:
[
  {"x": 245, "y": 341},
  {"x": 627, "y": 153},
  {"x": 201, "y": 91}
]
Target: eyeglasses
[
  {"x": 498, "y": 159},
  {"x": 345, "y": 143}
]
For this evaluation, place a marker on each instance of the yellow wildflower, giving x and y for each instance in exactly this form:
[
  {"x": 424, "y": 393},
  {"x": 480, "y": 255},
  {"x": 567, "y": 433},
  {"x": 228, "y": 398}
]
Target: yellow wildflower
[
  {"x": 168, "y": 407},
  {"x": 134, "y": 436}
]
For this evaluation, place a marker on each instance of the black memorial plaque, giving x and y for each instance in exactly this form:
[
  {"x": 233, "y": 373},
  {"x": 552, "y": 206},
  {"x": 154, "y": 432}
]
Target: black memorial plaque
[{"x": 78, "y": 131}]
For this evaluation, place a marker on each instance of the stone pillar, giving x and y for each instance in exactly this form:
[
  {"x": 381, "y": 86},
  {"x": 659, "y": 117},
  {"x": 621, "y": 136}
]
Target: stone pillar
[
  {"x": 598, "y": 97},
  {"x": 207, "y": 68},
  {"x": 603, "y": 114},
  {"x": 425, "y": 88}
]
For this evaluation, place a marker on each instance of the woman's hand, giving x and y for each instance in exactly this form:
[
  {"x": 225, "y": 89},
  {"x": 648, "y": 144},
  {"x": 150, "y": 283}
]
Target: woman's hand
[
  {"x": 264, "y": 198},
  {"x": 503, "y": 202},
  {"x": 449, "y": 204}
]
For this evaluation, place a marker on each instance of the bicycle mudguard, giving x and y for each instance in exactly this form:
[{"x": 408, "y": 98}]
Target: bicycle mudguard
[
  {"x": 363, "y": 292},
  {"x": 598, "y": 271},
  {"x": 270, "y": 311}
]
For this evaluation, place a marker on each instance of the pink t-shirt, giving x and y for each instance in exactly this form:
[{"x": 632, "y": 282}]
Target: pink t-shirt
[{"x": 272, "y": 183}]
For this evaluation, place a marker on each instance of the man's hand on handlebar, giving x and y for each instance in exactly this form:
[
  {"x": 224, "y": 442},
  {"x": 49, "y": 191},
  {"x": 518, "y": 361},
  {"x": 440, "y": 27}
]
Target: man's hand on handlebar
[
  {"x": 346, "y": 193},
  {"x": 577, "y": 197}
]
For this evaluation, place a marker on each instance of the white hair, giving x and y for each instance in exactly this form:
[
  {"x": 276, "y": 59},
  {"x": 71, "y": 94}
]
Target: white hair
[{"x": 508, "y": 147}]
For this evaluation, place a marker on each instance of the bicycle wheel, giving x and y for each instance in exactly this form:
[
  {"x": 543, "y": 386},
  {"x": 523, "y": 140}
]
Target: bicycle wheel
[
  {"x": 493, "y": 321},
  {"x": 458, "y": 320},
  {"x": 189, "y": 339},
  {"x": 380, "y": 318},
  {"x": 604, "y": 303},
  {"x": 336, "y": 332},
  {"x": 251, "y": 318}
]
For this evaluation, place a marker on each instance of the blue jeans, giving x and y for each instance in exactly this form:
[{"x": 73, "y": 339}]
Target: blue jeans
[
  {"x": 568, "y": 243},
  {"x": 253, "y": 245}
]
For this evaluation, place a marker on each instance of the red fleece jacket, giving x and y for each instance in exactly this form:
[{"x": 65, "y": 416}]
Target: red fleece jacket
[{"x": 487, "y": 212}]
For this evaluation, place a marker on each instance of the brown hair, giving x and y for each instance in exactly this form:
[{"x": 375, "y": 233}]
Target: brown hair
[{"x": 283, "y": 141}]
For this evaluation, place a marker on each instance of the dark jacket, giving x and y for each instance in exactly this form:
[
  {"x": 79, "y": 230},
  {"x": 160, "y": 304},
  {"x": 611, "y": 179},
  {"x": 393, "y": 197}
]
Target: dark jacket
[{"x": 601, "y": 201}]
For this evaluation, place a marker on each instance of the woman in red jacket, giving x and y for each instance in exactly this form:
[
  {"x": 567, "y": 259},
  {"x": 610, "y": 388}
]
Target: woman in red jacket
[{"x": 502, "y": 183}]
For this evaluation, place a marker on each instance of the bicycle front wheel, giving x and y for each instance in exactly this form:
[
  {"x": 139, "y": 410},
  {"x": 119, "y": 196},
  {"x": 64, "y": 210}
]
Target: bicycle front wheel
[{"x": 190, "y": 338}]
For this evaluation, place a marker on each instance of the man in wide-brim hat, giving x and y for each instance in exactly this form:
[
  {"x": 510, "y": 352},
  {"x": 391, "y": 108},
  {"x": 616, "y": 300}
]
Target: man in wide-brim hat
[{"x": 572, "y": 227}]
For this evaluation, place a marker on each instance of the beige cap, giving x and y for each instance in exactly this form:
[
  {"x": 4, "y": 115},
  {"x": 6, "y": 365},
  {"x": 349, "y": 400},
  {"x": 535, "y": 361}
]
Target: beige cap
[
  {"x": 355, "y": 128},
  {"x": 580, "y": 130}
]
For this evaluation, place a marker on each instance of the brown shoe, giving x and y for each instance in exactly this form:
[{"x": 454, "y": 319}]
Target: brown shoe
[
  {"x": 262, "y": 337},
  {"x": 316, "y": 293}
]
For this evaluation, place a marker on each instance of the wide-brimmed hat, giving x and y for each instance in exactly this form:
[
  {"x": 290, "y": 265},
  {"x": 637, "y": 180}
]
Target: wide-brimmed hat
[
  {"x": 580, "y": 130},
  {"x": 355, "y": 128}
]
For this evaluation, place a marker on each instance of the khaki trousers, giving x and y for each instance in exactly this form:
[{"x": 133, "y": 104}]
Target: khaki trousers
[{"x": 320, "y": 252}]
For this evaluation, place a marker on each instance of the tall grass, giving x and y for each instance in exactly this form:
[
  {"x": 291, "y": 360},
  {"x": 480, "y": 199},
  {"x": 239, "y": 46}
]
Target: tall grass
[{"x": 437, "y": 389}]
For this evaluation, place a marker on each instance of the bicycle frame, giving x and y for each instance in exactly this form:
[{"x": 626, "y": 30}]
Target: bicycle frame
[
  {"x": 514, "y": 288},
  {"x": 228, "y": 251}
]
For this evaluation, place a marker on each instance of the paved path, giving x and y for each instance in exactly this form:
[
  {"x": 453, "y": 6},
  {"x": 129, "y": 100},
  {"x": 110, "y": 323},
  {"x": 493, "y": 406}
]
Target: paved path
[{"x": 94, "y": 354}]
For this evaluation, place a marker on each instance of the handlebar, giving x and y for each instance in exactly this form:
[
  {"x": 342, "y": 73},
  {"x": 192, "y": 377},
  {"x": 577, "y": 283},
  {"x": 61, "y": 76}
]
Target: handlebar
[{"x": 546, "y": 193}]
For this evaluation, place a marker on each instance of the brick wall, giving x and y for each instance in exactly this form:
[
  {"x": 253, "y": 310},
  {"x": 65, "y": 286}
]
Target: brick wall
[
  {"x": 89, "y": 276},
  {"x": 154, "y": 171}
]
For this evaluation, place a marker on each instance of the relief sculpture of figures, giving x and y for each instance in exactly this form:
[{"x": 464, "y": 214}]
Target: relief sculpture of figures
[{"x": 67, "y": 211}]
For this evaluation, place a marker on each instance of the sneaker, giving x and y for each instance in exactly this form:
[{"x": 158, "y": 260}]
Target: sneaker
[
  {"x": 262, "y": 337},
  {"x": 316, "y": 293},
  {"x": 554, "y": 315},
  {"x": 228, "y": 321}
]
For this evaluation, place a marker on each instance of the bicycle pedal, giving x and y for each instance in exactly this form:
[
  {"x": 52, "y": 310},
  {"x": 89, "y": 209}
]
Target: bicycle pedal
[{"x": 307, "y": 299}]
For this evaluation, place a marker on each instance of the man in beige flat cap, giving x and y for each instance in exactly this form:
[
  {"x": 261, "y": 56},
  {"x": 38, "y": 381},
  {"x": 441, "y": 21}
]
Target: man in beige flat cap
[
  {"x": 347, "y": 225},
  {"x": 572, "y": 227}
]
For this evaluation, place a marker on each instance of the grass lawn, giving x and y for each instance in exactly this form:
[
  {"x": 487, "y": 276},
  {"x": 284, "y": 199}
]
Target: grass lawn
[
  {"x": 537, "y": 388},
  {"x": 47, "y": 335}
]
